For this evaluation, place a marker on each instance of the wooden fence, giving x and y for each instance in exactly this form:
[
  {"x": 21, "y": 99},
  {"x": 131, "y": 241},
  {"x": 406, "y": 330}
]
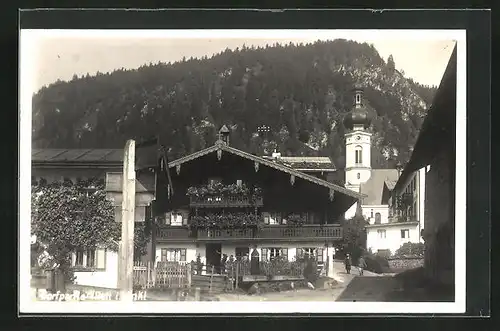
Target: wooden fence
[
  {"x": 208, "y": 277},
  {"x": 164, "y": 275}
]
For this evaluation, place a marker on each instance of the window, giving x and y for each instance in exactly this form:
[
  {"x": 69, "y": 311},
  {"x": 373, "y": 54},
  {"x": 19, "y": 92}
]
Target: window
[
  {"x": 90, "y": 258},
  {"x": 358, "y": 175},
  {"x": 358, "y": 155},
  {"x": 176, "y": 219},
  {"x": 316, "y": 253},
  {"x": 405, "y": 234},
  {"x": 79, "y": 258},
  {"x": 273, "y": 252},
  {"x": 358, "y": 98},
  {"x": 173, "y": 255},
  {"x": 371, "y": 213},
  {"x": 378, "y": 218},
  {"x": 272, "y": 218},
  {"x": 381, "y": 234},
  {"x": 239, "y": 182}
]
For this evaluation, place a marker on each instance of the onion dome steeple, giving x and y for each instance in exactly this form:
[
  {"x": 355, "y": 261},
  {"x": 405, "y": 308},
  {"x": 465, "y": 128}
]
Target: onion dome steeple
[{"x": 358, "y": 117}]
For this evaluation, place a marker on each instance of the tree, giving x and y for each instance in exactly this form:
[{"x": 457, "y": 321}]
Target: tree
[
  {"x": 67, "y": 217},
  {"x": 354, "y": 241}
]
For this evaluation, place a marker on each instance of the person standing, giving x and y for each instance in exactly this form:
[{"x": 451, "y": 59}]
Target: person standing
[
  {"x": 347, "y": 263},
  {"x": 361, "y": 265}
]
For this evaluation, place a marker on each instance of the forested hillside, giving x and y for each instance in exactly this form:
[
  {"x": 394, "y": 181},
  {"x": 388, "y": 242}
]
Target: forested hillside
[{"x": 300, "y": 91}]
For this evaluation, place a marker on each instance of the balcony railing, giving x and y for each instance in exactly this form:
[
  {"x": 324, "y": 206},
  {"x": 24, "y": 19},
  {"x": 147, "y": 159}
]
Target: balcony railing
[
  {"x": 215, "y": 234},
  {"x": 302, "y": 232},
  {"x": 278, "y": 232},
  {"x": 173, "y": 233},
  {"x": 224, "y": 201}
]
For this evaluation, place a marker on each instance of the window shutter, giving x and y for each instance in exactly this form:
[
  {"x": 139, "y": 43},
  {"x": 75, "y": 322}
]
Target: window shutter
[
  {"x": 101, "y": 259},
  {"x": 183, "y": 254},
  {"x": 264, "y": 254},
  {"x": 266, "y": 218},
  {"x": 168, "y": 217},
  {"x": 284, "y": 252},
  {"x": 163, "y": 254},
  {"x": 319, "y": 254},
  {"x": 185, "y": 216}
]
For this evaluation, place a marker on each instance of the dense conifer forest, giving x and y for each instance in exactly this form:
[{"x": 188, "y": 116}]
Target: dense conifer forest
[{"x": 301, "y": 91}]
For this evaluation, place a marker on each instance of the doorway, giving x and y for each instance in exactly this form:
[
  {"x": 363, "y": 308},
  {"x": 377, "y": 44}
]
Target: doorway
[{"x": 213, "y": 253}]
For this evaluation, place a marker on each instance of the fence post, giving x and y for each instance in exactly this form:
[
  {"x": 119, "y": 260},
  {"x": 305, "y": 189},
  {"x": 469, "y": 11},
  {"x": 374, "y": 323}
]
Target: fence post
[
  {"x": 211, "y": 279},
  {"x": 188, "y": 271},
  {"x": 237, "y": 269}
]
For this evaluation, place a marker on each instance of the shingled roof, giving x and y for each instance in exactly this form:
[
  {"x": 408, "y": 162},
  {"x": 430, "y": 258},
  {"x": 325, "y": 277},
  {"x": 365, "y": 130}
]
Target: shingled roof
[
  {"x": 374, "y": 187},
  {"x": 77, "y": 155},
  {"x": 319, "y": 163}
]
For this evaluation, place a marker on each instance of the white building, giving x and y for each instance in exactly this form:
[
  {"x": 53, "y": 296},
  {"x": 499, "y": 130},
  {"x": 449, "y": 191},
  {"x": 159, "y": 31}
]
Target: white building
[{"x": 386, "y": 231}]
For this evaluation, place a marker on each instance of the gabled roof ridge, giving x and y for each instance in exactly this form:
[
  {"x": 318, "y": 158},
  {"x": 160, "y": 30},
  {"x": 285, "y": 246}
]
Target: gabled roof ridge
[{"x": 268, "y": 163}]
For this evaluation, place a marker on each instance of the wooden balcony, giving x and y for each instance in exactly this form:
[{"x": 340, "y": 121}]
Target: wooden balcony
[
  {"x": 275, "y": 233},
  {"x": 305, "y": 232},
  {"x": 224, "y": 201},
  {"x": 174, "y": 233},
  {"x": 229, "y": 234}
]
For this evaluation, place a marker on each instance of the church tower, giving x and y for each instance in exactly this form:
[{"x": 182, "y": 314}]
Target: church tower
[{"x": 358, "y": 143}]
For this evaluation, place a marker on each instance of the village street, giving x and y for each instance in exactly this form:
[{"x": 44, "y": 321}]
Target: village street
[{"x": 369, "y": 287}]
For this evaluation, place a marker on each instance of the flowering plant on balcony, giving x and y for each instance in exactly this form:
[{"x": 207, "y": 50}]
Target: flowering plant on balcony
[
  {"x": 295, "y": 220},
  {"x": 221, "y": 190},
  {"x": 225, "y": 221}
]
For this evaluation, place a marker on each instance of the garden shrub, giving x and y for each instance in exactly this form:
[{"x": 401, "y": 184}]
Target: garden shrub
[
  {"x": 376, "y": 263},
  {"x": 310, "y": 271}
]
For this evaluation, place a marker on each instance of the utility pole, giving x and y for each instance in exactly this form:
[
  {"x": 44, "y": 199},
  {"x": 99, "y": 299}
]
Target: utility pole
[{"x": 126, "y": 254}]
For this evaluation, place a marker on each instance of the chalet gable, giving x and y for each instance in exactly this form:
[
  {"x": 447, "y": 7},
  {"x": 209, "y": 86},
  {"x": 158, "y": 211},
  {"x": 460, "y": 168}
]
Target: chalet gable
[{"x": 220, "y": 148}]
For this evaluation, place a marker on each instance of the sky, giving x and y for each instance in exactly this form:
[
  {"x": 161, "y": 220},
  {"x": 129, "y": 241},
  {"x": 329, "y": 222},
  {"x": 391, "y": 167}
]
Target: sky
[{"x": 61, "y": 56}]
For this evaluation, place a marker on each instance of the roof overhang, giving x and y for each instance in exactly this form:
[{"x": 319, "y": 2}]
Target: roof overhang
[
  {"x": 268, "y": 163},
  {"x": 438, "y": 127}
]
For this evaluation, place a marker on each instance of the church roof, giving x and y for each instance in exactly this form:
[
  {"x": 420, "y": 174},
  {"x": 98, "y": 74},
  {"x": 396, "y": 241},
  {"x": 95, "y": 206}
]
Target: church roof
[
  {"x": 390, "y": 184},
  {"x": 374, "y": 187}
]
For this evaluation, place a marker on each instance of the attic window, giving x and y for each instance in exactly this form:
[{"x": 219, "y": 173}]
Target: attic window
[
  {"x": 358, "y": 99},
  {"x": 359, "y": 175}
]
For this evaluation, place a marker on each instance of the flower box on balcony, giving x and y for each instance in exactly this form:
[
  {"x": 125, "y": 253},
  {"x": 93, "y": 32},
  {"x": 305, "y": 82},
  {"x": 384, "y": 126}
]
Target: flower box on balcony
[{"x": 220, "y": 195}]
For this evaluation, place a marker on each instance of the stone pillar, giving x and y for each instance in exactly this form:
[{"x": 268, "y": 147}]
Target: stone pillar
[{"x": 126, "y": 258}]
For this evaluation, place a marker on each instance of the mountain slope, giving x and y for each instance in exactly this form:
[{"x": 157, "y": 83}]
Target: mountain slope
[{"x": 300, "y": 91}]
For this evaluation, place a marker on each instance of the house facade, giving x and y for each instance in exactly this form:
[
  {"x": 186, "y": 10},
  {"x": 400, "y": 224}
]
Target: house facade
[
  {"x": 434, "y": 154},
  {"x": 94, "y": 267},
  {"x": 224, "y": 202},
  {"x": 265, "y": 204}
]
